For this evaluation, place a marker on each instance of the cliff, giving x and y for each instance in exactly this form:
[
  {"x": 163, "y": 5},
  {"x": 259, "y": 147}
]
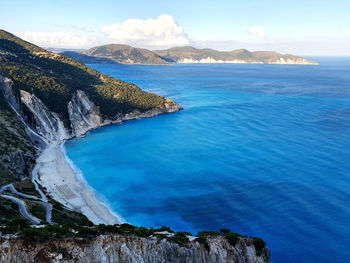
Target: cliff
[{"x": 116, "y": 248}]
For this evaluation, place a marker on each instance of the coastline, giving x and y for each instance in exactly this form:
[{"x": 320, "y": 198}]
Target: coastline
[{"x": 68, "y": 186}]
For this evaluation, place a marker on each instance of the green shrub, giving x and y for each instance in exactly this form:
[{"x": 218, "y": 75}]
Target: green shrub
[
  {"x": 203, "y": 240},
  {"x": 232, "y": 238},
  {"x": 36, "y": 232},
  {"x": 179, "y": 238},
  {"x": 225, "y": 230},
  {"x": 208, "y": 234},
  {"x": 259, "y": 245},
  {"x": 113, "y": 229},
  {"x": 86, "y": 231},
  {"x": 17, "y": 224},
  {"x": 142, "y": 232},
  {"x": 127, "y": 227},
  {"x": 164, "y": 228}
]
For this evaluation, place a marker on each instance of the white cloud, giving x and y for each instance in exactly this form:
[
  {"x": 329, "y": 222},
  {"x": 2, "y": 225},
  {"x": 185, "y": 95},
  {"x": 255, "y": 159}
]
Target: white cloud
[
  {"x": 257, "y": 31},
  {"x": 152, "y": 33},
  {"x": 162, "y": 32},
  {"x": 56, "y": 39}
]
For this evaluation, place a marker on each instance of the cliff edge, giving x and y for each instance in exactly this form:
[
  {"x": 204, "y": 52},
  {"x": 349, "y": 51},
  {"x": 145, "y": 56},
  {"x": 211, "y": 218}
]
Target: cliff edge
[{"x": 116, "y": 248}]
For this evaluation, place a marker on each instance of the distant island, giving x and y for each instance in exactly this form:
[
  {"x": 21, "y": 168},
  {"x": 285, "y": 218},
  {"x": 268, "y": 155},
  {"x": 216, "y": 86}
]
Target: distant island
[{"x": 124, "y": 54}]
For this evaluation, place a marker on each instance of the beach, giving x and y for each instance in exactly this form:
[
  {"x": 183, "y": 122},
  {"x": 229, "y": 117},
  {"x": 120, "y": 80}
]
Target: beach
[{"x": 67, "y": 186}]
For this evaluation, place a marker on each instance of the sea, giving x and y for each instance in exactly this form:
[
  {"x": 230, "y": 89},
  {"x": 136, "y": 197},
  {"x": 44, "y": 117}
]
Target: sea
[{"x": 263, "y": 150}]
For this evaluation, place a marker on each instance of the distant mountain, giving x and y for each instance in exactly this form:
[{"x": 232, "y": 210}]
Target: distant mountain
[
  {"x": 82, "y": 58},
  {"x": 123, "y": 54},
  {"x": 193, "y": 55},
  {"x": 60, "y": 50}
]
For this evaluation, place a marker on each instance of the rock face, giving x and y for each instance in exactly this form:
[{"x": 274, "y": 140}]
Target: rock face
[
  {"x": 83, "y": 114},
  {"x": 115, "y": 248},
  {"x": 48, "y": 124},
  {"x": 16, "y": 150},
  {"x": 5, "y": 87}
]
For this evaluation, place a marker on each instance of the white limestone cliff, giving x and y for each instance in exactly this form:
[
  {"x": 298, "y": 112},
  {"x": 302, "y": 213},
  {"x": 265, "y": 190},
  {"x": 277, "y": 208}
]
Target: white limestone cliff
[
  {"x": 83, "y": 114},
  {"x": 133, "y": 249}
]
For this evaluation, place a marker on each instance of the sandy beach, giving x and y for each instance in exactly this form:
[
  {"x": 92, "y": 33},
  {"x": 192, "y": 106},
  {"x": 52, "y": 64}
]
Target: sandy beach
[{"x": 62, "y": 182}]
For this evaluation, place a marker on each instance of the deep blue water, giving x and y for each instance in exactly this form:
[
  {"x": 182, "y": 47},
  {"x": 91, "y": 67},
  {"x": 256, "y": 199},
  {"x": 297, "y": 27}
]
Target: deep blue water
[{"x": 261, "y": 149}]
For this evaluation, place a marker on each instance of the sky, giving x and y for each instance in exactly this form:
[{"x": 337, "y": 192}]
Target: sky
[{"x": 300, "y": 27}]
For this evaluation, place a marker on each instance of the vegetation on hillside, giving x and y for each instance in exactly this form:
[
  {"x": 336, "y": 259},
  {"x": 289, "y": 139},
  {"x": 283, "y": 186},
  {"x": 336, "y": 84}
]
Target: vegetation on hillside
[
  {"x": 54, "y": 78},
  {"x": 22, "y": 228},
  {"x": 124, "y": 54},
  {"x": 177, "y": 54},
  {"x": 13, "y": 141}
]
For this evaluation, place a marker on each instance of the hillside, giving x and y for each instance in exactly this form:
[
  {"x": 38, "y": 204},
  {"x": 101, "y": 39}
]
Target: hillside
[
  {"x": 86, "y": 59},
  {"x": 124, "y": 54},
  {"x": 193, "y": 55},
  {"x": 47, "y": 97},
  {"x": 54, "y": 78}
]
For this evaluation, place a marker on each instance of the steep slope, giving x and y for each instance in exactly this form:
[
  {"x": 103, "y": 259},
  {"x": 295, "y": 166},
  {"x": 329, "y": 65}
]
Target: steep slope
[
  {"x": 46, "y": 98},
  {"x": 54, "y": 78},
  {"x": 124, "y": 54},
  {"x": 86, "y": 59},
  {"x": 16, "y": 151},
  {"x": 193, "y": 55},
  {"x": 116, "y": 248}
]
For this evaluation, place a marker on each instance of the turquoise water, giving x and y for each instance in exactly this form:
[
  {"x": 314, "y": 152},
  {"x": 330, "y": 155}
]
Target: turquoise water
[{"x": 261, "y": 149}]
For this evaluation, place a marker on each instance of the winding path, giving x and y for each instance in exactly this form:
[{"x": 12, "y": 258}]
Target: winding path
[
  {"x": 22, "y": 209},
  {"x": 21, "y": 204}
]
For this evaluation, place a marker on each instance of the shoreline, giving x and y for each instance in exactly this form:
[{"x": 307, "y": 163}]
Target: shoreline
[{"x": 65, "y": 184}]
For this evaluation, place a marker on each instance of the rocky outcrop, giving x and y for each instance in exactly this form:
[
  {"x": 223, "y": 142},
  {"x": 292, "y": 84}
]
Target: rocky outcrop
[
  {"x": 16, "y": 154},
  {"x": 13, "y": 102},
  {"x": 48, "y": 124},
  {"x": 19, "y": 163},
  {"x": 290, "y": 61},
  {"x": 83, "y": 114},
  {"x": 115, "y": 248},
  {"x": 6, "y": 88}
]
